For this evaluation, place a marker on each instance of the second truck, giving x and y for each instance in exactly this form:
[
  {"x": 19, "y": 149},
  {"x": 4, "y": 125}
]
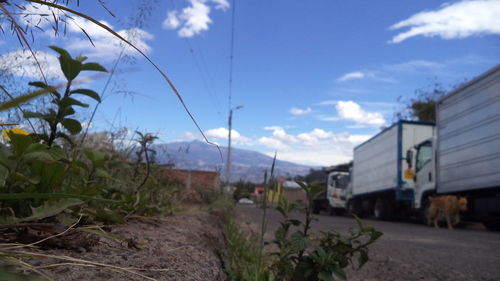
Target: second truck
[{"x": 395, "y": 172}]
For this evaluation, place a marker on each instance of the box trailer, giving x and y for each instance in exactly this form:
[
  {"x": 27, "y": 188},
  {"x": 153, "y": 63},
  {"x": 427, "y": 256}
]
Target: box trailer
[{"x": 468, "y": 136}]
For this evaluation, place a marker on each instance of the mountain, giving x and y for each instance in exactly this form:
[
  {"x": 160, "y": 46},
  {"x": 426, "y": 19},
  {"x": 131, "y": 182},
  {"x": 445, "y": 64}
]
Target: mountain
[{"x": 245, "y": 164}]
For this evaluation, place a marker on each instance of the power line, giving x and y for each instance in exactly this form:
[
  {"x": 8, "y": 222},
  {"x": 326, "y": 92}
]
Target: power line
[{"x": 231, "y": 56}]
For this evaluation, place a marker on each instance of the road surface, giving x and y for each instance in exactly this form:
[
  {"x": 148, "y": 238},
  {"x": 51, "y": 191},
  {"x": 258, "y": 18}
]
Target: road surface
[{"x": 410, "y": 251}]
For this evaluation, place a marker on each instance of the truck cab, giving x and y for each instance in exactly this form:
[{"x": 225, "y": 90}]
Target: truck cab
[
  {"x": 336, "y": 192},
  {"x": 424, "y": 174}
]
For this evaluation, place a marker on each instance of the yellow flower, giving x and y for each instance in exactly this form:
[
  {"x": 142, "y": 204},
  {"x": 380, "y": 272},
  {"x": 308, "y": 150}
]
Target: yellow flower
[{"x": 18, "y": 131}]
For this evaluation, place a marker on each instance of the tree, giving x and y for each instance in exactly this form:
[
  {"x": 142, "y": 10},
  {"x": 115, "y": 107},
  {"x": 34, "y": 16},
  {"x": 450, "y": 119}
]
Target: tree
[{"x": 422, "y": 106}]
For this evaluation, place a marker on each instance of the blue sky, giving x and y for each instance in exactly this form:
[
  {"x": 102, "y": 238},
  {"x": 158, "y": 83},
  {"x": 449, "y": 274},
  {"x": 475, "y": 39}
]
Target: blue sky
[{"x": 315, "y": 77}]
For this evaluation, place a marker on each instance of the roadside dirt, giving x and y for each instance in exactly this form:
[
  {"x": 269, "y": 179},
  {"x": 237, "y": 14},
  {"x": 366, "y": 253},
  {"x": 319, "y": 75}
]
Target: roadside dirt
[{"x": 187, "y": 246}]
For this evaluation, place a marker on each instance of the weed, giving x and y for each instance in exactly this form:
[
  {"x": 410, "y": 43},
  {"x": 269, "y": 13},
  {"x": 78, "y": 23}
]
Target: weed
[{"x": 295, "y": 254}]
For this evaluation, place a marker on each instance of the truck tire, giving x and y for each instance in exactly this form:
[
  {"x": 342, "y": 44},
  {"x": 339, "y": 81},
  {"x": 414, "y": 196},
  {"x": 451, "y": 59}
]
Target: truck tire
[
  {"x": 380, "y": 209},
  {"x": 316, "y": 207},
  {"x": 492, "y": 225},
  {"x": 353, "y": 207},
  {"x": 424, "y": 210},
  {"x": 331, "y": 210},
  {"x": 349, "y": 209}
]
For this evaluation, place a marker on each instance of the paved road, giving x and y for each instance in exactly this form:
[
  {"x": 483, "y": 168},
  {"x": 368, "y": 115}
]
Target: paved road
[{"x": 411, "y": 251}]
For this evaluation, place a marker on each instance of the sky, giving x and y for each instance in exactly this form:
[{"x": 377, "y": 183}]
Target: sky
[{"x": 315, "y": 78}]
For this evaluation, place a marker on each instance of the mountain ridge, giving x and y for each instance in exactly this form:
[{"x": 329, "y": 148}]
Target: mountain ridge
[{"x": 246, "y": 165}]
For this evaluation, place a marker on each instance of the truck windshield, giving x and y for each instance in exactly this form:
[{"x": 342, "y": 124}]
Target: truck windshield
[
  {"x": 339, "y": 181},
  {"x": 424, "y": 154}
]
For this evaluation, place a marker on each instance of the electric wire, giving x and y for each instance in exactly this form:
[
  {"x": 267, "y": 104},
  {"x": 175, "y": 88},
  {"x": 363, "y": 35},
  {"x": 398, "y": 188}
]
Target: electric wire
[
  {"x": 231, "y": 55},
  {"x": 203, "y": 70}
]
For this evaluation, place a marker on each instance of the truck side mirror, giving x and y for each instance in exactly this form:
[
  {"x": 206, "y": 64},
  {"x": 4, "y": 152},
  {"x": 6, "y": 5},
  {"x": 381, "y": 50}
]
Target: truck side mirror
[{"x": 409, "y": 157}]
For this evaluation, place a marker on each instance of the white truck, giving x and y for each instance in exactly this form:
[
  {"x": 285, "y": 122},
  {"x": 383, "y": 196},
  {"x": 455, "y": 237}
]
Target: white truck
[
  {"x": 381, "y": 182},
  {"x": 396, "y": 171},
  {"x": 464, "y": 156},
  {"x": 334, "y": 196}
]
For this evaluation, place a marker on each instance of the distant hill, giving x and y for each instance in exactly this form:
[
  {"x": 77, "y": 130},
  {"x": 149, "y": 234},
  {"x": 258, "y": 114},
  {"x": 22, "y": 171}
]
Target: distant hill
[{"x": 246, "y": 164}]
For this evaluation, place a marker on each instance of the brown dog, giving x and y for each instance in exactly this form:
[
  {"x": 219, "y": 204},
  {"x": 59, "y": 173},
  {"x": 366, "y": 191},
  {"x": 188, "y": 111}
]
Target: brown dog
[{"x": 447, "y": 206}]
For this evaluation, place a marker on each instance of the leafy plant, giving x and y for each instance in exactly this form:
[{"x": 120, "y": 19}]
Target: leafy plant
[
  {"x": 41, "y": 176},
  {"x": 65, "y": 102},
  {"x": 303, "y": 257}
]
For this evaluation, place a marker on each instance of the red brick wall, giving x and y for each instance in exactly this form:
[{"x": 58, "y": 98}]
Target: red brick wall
[{"x": 194, "y": 179}]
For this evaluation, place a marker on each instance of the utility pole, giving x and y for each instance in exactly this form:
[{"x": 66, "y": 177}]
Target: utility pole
[{"x": 228, "y": 162}]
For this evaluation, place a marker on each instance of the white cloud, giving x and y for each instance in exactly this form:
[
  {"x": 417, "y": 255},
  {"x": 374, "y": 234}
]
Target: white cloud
[
  {"x": 458, "y": 20},
  {"x": 272, "y": 143},
  {"x": 107, "y": 46},
  {"x": 298, "y": 111},
  {"x": 352, "y": 76},
  {"x": 21, "y": 63},
  {"x": 222, "y": 134},
  {"x": 415, "y": 65},
  {"x": 351, "y": 111},
  {"x": 221, "y": 4},
  {"x": 317, "y": 147},
  {"x": 38, "y": 15},
  {"x": 194, "y": 19},
  {"x": 172, "y": 21},
  {"x": 272, "y": 128}
]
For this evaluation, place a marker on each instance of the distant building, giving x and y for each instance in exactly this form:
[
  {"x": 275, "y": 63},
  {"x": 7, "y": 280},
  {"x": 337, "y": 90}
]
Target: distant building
[{"x": 194, "y": 179}]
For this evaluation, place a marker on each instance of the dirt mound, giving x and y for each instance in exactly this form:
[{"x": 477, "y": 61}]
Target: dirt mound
[{"x": 181, "y": 247}]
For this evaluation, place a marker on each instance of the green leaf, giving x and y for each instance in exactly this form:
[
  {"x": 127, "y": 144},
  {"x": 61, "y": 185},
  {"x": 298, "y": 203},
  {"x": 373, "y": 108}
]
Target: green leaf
[
  {"x": 72, "y": 125},
  {"x": 51, "y": 208},
  {"x": 20, "y": 143},
  {"x": 24, "y": 196},
  {"x": 4, "y": 174},
  {"x": 67, "y": 101},
  {"x": 70, "y": 67},
  {"x": 88, "y": 93},
  {"x": 30, "y": 114},
  {"x": 17, "y": 101},
  {"x": 43, "y": 156},
  {"x": 102, "y": 173},
  {"x": 65, "y": 137},
  {"x": 96, "y": 157},
  {"x": 18, "y": 177},
  {"x": 61, "y": 51},
  {"x": 340, "y": 273},
  {"x": 36, "y": 147},
  {"x": 91, "y": 66},
  {"x": 363, "y": 257},
  {"x": 81, "y": 58},
  {"x": 298, "y": 242},
  {"x": 51, "y": 175},
  {"x": 42, "y": 85},
  {"x": 57, "y": 153},
  {"x": 49, "y": 117},
  {"x": 68, "y": 111},
  {"x": 325, "y": 276}
]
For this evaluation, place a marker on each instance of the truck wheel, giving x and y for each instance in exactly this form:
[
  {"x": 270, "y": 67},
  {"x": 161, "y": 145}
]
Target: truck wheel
[
  {"x": 492, "y": 225},
  {"x": 354, "y": 208},
  {"x": 331, "y": 210},
  {"x": 424, "y": 210},
  {"x": 380, "y": 209},
  {"x": 349, "y": 209},
  {"x": 316, "y": 207}
]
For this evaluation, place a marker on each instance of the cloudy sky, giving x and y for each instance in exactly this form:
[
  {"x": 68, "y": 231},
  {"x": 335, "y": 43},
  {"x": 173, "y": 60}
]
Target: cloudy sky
[{"x": 315, "y": 78}]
